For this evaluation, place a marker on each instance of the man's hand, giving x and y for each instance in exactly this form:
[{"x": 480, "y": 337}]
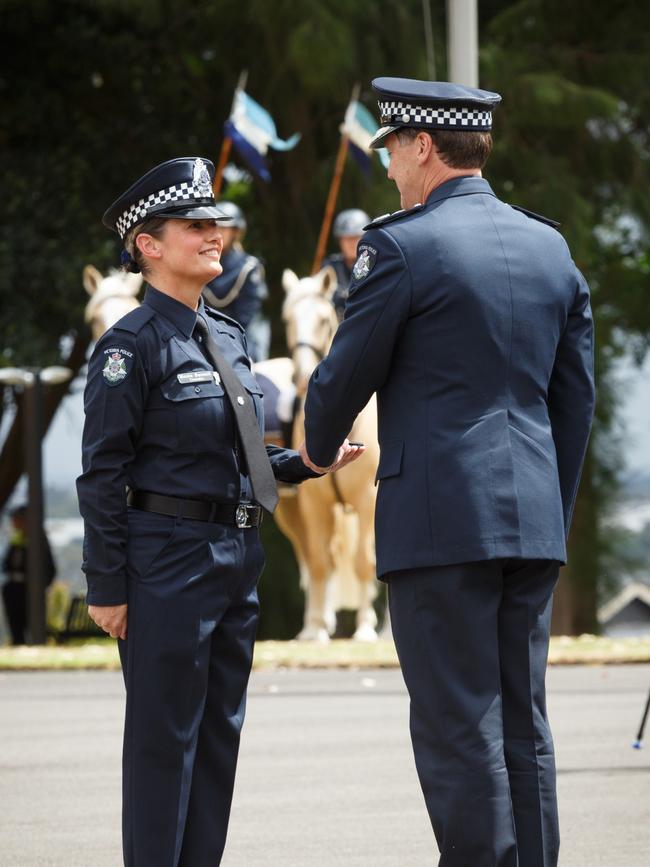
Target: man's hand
[
  {"x": 345, "y": 455},
  {"x": 110, "y": 618}
]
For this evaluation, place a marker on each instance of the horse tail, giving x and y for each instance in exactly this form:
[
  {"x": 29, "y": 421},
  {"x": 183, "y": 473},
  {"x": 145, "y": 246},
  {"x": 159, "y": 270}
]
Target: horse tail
[{"x": 343, "y": 547}]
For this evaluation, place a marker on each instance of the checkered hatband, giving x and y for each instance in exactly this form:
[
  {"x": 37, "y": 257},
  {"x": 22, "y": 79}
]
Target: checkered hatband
[
  {"x": 407, "y": 113},
  {"x": 181, "y": 193}
]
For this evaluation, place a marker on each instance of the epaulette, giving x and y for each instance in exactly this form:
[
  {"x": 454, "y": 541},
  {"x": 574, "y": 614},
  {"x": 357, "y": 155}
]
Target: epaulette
[
  {"x": 135, "y": 320},
  {"x": 217, "y": 314},
  {"x": 553, "y": 223},
  {"x": 390, "y": 218}
]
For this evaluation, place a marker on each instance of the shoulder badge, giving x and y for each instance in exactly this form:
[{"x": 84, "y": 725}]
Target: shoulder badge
[
  {"x": 390, "y": 218},
  {"x": 549, "y": 222},
  {"x": 117, "y": 365},
  {"x": 365, "y": 262}
]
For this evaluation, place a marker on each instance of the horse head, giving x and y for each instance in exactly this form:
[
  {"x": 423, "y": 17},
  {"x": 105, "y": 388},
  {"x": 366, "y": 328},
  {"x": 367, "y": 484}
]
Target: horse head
[
  {"x": 310, "y": 320},
  {"x": 110, "y": 297}
]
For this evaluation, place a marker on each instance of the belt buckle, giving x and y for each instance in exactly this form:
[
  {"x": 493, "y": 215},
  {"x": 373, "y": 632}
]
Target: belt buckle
[{"x": 242, "y": 519}]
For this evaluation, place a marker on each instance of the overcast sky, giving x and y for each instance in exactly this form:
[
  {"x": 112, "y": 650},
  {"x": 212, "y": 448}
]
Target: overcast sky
[{"x": 62, "y": 454}]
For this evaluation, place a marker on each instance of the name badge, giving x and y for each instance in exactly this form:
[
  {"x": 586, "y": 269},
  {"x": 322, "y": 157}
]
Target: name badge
[{"x": 198, "y": 376}]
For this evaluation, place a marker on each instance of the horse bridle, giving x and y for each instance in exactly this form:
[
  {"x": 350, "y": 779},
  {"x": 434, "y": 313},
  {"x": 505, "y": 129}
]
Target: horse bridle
[{"x": 301, "y": 344}]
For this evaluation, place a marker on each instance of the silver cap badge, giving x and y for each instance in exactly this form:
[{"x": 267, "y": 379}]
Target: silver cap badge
[{"x": 201, "y": 178}]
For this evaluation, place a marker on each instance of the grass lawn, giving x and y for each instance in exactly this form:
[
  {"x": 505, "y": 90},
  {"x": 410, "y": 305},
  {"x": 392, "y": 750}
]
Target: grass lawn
[{"x": 101, "y": 653}]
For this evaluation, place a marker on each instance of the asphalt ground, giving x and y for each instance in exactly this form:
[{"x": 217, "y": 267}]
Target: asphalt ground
[{"x": 326, "y": 774}]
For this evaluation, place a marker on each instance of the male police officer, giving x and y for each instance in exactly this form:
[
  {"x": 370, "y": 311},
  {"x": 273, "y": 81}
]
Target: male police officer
[
  {"x": 472, "y": 323},
  {"x": 348, "y": 230},
  {"x": 241, "y": 287}
]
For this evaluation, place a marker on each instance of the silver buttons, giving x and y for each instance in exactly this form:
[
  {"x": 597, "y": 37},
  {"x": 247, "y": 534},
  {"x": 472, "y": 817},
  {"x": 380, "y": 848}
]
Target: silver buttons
[{"x": 240, "y": 400}]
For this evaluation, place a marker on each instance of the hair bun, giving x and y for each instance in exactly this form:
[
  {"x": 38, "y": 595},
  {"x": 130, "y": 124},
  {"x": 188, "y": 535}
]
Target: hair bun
[{"x": 128, "y": 263}]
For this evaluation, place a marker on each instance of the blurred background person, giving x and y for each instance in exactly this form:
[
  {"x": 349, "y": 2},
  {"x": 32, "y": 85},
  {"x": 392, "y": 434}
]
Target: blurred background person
[
  {"x": 348, "y": 229},
  {"x": 240, "y": 290},
  {"x": 14, "y": 565}
]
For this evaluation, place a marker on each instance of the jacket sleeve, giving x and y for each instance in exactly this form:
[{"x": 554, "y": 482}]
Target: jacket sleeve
[
  {"x": 288, "y": 467},
  {"x": 571, "y": 395},
  {"x": 114, "y": 411},
  {"x": 359, "y": 360}
]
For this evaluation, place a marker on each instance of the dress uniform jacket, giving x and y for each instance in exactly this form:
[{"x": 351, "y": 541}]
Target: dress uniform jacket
[
  {"x": 158, "y": 420},
  {"x": 472, "y": 323}
]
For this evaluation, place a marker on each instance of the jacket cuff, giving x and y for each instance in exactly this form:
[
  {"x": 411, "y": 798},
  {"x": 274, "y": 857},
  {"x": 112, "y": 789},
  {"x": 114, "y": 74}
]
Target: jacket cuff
[
  {"x": 293, "y": 469},
  {"x": 106, "y": 591}
]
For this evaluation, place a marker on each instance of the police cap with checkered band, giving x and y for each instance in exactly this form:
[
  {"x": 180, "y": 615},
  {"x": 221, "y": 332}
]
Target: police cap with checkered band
[
  {"x": 431, "y": 105},
  {"x": 180, "y": 188}
]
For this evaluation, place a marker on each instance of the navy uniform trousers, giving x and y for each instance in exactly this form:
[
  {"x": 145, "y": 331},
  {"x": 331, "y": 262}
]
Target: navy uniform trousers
[
  {"x": 193, "y": 614},
  {"x": 472, "y": 641}
]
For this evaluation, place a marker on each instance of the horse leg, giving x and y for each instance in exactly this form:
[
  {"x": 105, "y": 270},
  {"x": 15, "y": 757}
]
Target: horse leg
[
  {"x": 366, "y": 621},
  {"x": 317, "y": 520}
]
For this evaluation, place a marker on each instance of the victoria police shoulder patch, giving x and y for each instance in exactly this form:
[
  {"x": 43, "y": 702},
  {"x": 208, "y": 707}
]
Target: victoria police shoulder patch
[
  {"x": 117, "y": 365},
  {"x": 365, "y": 262}
]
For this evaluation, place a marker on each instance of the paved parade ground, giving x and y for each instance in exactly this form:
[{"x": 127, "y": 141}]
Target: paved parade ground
[{"x": 326, "y": 775}]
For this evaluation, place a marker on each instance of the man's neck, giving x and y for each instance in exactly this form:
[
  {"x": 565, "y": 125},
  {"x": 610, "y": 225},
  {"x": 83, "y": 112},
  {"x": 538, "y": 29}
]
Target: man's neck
[{"x": 441, "y": 174}]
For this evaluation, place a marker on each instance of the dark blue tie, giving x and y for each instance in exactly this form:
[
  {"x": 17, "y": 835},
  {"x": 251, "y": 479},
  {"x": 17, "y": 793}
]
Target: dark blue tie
[{"x": 257, "y": 460}]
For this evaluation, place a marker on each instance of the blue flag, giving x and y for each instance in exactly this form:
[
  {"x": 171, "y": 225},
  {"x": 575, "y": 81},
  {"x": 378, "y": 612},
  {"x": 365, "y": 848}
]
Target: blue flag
[
  {"x": 359, "y": 125},
  {"x": 253, "y": 132}
]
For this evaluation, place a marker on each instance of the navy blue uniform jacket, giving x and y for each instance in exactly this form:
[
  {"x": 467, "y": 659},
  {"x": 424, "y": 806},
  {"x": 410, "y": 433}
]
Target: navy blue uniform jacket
[
  {"x": 473, "y": 326},
  {"x": 158, "y": 421}
]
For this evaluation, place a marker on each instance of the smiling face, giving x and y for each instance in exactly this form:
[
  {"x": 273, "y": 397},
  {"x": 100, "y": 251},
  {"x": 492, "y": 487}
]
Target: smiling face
[{"x": 187, "y": 250}]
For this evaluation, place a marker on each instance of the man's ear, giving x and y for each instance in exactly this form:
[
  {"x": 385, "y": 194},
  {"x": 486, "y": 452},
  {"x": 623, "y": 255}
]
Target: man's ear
[
  {"x": 425, "y": 146},
  {"x": 148, "y": 246}
]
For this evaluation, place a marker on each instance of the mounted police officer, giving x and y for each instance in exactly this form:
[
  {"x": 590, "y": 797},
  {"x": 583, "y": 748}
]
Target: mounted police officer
[
  {"x": 470, "y": 320},
  {"x": 240, "y": 290},
  {"x": 348, "y": 230},
  {"x": 174, "y": 415}
]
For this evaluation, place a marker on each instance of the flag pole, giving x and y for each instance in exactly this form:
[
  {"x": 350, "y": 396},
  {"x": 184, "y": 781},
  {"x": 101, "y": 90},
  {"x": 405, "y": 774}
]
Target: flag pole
[
  {"x": 333, "y": 192},
  {"x": 226, "y": 144}
]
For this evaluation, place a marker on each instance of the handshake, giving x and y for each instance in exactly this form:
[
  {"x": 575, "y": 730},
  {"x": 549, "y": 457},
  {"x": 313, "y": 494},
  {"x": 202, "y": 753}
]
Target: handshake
[{"x": 347, "y": 453}]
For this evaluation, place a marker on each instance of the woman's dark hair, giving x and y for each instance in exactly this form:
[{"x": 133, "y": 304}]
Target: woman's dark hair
[
  {"x": 136, "y": 262},
  {"x": 458, "y": 150}
]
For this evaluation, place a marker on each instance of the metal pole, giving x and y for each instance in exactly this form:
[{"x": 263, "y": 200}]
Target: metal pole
[
  {"x": 33, "y": 403},
  {"x": 462, "y": 42},
  {"x": 638, "y": 743}
]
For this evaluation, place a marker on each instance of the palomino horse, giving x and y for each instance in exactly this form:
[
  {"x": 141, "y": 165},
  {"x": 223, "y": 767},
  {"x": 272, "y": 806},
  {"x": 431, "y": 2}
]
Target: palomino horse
[
  {"x": 337, "y": 511},
  {"x": 111, "y": 297}
]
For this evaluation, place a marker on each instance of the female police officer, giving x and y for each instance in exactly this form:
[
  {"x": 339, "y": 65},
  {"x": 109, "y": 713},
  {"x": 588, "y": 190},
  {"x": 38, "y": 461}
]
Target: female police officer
[{"x": 173, "y": 414}]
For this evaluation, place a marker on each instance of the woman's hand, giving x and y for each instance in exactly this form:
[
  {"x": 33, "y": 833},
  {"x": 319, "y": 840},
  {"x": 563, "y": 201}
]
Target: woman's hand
[
  {"x": 110, "y": 618},
  {"x": 345, "y": 455}
]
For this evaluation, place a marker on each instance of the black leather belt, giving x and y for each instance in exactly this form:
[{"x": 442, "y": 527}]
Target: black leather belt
[{"x": 241, "y": 515}]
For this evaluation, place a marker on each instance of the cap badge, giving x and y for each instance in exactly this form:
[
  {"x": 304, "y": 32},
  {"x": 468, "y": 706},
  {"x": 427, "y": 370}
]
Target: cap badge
[{"x": 201, "y": 178}]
